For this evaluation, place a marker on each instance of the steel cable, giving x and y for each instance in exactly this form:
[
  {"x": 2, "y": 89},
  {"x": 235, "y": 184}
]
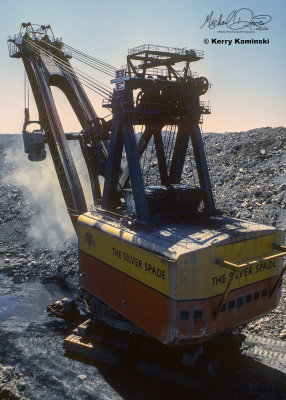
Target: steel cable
[
  {"x": 93, "y": 59},
  {"x": 68, "y": 67},
  {"x": 85, "y": 79},
  {"x": 79, "y": 55},
  {"x": 149, "y": 165}
]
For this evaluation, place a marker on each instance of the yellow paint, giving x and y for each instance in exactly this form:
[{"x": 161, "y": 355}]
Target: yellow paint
[
  {"x": 199, "y": 277},
  {"x": 246, "y": 249},
  {"x": 194, "y": 275},
  {"x": 153, "y": 270}
]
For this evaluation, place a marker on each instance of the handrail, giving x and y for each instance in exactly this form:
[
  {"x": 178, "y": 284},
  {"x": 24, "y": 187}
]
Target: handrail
[
  {"x": 279, "y": 248},
  {"x": 164, "y": 49},
  {"x": 236, "y": 267}
]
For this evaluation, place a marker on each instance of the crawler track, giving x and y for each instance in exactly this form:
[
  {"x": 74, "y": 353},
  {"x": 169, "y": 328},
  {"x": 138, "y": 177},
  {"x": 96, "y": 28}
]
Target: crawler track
[
  {"x": 254, "y": 356},
  {"x": 268, "y": 351}
]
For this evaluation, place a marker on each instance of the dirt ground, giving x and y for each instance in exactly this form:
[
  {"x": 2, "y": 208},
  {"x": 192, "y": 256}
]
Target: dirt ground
[{"x": 38, "y": 265}]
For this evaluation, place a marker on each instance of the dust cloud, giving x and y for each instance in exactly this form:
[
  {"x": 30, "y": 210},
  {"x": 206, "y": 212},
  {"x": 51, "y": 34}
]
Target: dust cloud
[{"x": 50, "y": 222}]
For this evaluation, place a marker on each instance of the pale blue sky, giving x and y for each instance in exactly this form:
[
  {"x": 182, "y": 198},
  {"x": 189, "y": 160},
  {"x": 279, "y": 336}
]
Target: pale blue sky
[{"x": 248, "y": 81}]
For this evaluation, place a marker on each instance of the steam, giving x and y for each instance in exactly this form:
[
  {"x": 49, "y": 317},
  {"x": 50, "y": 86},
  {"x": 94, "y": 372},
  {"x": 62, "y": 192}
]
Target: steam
[{"x": 50, "y": 223}]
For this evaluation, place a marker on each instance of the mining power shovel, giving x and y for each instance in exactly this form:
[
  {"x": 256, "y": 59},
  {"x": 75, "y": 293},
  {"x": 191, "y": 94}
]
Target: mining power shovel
[{"x": 156, "y": 257}]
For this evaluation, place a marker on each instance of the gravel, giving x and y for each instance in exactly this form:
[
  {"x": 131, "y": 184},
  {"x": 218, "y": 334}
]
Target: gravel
[{"x": 249, "y": 179}]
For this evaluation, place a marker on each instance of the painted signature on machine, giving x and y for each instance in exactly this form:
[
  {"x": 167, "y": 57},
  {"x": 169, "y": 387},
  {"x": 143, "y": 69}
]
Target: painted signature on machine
[
  {"x": 237, "y": 20},
  {"x": 244, "y": 272}
]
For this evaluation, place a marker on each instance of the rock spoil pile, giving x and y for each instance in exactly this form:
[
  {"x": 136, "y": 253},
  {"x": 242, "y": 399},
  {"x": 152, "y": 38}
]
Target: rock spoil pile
[
  {"x": 37, "y": 241},
  {"x": 248, "y": 173}
]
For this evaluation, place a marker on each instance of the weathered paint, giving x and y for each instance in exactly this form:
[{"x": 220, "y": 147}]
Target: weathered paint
[
  {"x": 163, "y": 295},
  {"x": 152, "y": 270},
  {"x": 199, "y": 276}
]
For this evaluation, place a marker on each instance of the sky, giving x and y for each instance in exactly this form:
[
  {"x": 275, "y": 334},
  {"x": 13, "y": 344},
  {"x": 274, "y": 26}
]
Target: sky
[{"x": 248, "y": 81}]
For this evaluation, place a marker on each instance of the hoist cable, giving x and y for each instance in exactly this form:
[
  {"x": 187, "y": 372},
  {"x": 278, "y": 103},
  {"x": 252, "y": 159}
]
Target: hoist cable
[
  {"x": 111, "y": 67},
  {"x": 170, "y": 145},
  {"x": 86, "y": 60},
  {"x": 98, "y": 68},
  {"x": 192, "y": 166},
  {"x": 87, "y": 84},
  {"x": 85, "y": 79},
  {"x": 25, "y": 85},
  {"x": 100, "y": 65},
  {"x": 145, "y": 151},
  {"x": 106, "y": 72},
  {"x": 150, "y": 160},
  {"x": 166, "y": 145},
  {"x": 174, "y": 135},
  {"x": 28, "y": 91},
  {"x": 68, "y": 66}
]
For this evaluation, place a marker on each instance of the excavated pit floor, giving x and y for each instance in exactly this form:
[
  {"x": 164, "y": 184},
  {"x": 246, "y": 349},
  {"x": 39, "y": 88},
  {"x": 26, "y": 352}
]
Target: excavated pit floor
[
  {"x": 35, "y": 273},
  {"x": 31, "y": 342}
]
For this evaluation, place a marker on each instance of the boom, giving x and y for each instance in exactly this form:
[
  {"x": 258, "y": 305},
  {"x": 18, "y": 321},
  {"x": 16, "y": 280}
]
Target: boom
[{"x": 48, "y": 65}]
